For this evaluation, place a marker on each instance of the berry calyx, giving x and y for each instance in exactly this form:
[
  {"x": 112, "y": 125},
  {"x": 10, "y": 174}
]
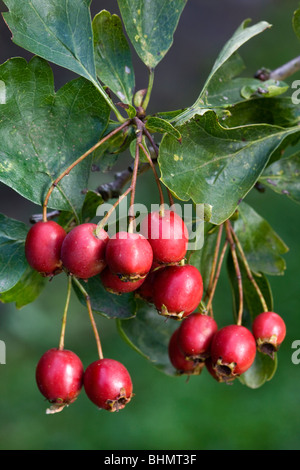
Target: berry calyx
[
  {"x": 115, "y": 285},
  {"x": 269, "y": 331},
  {"x": 195, "y": 336},
  {"x": 129, "y": 256},
  {"x": 43, "y": 246},
  {"x": 83, "y": 250},
  {"x": 178, "y": 359},
  {"x": 167, "y": 234},
  {"x": 108, "y": 384},
  {"x": 59, "y": 377},
  {"x": 177, "y": 290},
  {"x": 233, "y": 351}
]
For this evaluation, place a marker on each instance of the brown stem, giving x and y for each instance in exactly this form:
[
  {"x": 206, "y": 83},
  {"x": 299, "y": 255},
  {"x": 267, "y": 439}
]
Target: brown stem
[
  {"x": 80, "y": 159},
  {"x": 216, "y": 279},
  {"x": 249, "y": 273},
  {"x": 64, "y": 319},
  {"x": 92, "y": 320},
  {"x": 214, "y": 263},
  {"x": 102, "y": 224},
  {"x": 161, "y": 196},
  {"x": 237, "y": 270},
  {"x": 131, "y": 215}
]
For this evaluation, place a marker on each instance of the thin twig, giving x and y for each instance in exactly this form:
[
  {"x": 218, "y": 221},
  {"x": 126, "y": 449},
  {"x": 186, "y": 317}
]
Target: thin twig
[
  {"x": 161, "y": 196},
  {"x": 217, "y": 276},
  {"x": 80, "y": 159},
  {"x": 90, "y": 311},
  {"x": 64, "y": 319},
  {"x": 280, "y": 73},
  {"x": 237, "y": 270},
  {"x": 249, "y": 273},
  {"x": 214, "y": 263}
]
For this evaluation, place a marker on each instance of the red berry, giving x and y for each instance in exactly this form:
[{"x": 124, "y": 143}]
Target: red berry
[
  {"x": 129, "y": 255},
  {"x": 233, "y": 351},
  {"x": 167, "y": 234},
  {"x": 177, "y": 290},
  {"x": 145, "y": 292},
  {"x": 178, "y": 359},
  {"x": 269, "y": 331},
  {"x": 83, "y": 250},
  {"x": 59, "y": 377},
  {"x": 43, "y": 245},
  {"x": 195, "y": 335},
  {"x": 108, "y": 384},
  {"x": 115, "y": 285}
]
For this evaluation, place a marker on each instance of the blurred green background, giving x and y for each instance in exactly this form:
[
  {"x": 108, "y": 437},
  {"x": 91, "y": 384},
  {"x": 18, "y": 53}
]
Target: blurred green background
[{"x": 165, "y": 413}]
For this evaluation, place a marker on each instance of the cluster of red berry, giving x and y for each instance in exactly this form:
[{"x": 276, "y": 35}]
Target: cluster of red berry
[
  {"x": 152, "y": 264},
  {"x": 227, "y": 352}
]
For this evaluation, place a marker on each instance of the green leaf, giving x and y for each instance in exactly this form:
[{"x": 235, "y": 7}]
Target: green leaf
[
  {"x": 155, "y": 124},
  {"x": 149, "y": 334},
  {"x": 296, "y": 22},
  {"x": 27, "y": 289},
  {"x": 262, "y": 246},
  {"x": 283, "y": 177},
  {"x": 12, "y": 254},
  {"x": 113, "y": 56},
  {"x": 59, "y": 31},
  {"x": 217, "y": 165},
  {"x": 151, "y": 26},
  {"x": 91, "y": 203},
  {"x": 221, "y": 69},
  {"x": 261, "y": 371},
  {"x": 103, "y": 302},
  {"x": 43, "y": 132},
  {"x": 279, "y": 111},
  {"x": 268, "y": 89}
]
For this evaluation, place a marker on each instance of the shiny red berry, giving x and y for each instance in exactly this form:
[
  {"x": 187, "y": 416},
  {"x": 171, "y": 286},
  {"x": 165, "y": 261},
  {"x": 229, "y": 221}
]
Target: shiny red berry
[
  {"x": 83, "y": 250},
  {"x": 233, "y": 351},
  {"x": 59, "y": 377},
  {"x": 269, "y": 331},
  {"x": 195, "y": 335},
  {"x": 167, "y": 234},
  {"x": 129, "y": 255},
  {"x": 115, "y": 285},
  {"x": 108, "y": 384},
  {"x": 177, "y": 290},
  {"x": 178, "y": 359},
  {"x": 43, "y": 245}
]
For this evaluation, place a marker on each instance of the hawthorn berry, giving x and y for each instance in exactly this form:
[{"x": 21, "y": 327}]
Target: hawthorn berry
[
  {"x": 269, "y": 331},
  {"x": 233, "y": 351},
  {"x": 177, "y": 290},
  {"x": 129, "y": 255},
  {"x": 108, "y": 384},
  {"x": 43, "y": 246},
  {"x": 83, "y": 250},
  {"x": 178, "y": 359},
  {"x": 167, "y": 234},
  {"x": 115, "y": 285},
  {"x": 195, "y": 335},
  {"x": 59, "y": 377}
]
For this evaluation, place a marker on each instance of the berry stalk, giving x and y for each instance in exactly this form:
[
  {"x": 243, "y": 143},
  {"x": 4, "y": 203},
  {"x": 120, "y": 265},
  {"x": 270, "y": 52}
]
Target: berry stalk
[
  {"x": 64, "y": 319},
  {"x": 92, "y": 319},
  {"x": 237, "y": 270},
  {"x": 80, "y": 159}
]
